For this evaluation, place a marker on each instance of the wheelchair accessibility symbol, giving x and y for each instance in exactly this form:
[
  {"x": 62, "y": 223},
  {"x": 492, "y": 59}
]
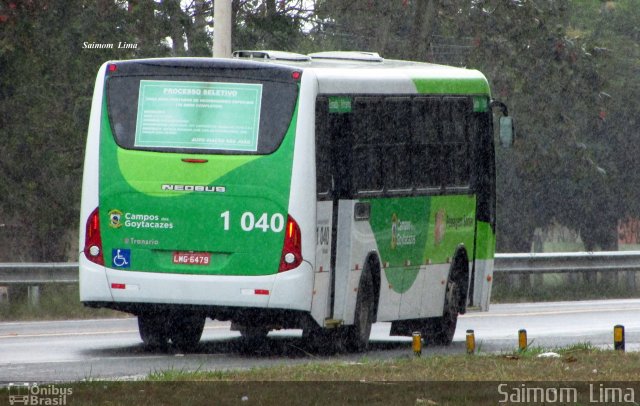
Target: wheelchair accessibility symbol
[{"x": 121, "y": 258}]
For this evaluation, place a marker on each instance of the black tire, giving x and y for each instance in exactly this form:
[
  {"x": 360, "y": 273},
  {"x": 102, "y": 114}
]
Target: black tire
[
  {"x": 153, "y": 330},
  {"x": 440, "y": 330},
  {"x": 356, "y": 337},
  {"x": 186, "y": 330},
  {"x": 254, "y": 340}
]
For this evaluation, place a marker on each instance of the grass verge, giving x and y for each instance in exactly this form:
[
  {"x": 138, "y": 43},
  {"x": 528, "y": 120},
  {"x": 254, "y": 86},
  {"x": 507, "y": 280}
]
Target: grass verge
[
  {"x": 581, "y": 362},
  {"x": 580, "y": 374}
]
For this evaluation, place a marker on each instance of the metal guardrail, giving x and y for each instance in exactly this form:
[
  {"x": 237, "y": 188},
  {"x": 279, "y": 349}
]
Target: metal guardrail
[
  {"x": 38, "y": 273},
  {"x": 564, "y": 262},
  {"x": 561, "y": 262}
]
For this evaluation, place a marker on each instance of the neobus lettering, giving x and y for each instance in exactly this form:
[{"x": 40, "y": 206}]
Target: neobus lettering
[{"x": 195, "y": 188}]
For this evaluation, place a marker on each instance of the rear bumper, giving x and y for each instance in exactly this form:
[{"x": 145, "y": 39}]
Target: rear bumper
[{"x": 288, "y": 290}]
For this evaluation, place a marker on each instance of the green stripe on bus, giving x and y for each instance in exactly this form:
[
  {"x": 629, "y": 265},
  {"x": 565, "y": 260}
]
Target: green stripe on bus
[
  {"x": 486, "y": 241},
  {"x": 466, "y": 86}
]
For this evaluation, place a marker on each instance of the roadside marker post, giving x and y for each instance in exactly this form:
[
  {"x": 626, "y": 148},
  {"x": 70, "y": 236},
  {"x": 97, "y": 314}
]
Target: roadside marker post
[
  {"x": 618, "y": 337},
  {"x": 522, "y": 340},
  {"x": 471, "y": 342},
  {"x": 416, "y": 344}
]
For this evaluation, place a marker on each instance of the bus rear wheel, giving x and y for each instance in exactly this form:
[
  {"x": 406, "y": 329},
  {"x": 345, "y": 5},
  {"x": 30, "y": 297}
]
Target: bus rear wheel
[
  {"x": 440, "y": 330},
  {"x": 356, "y": 337},
  {"x": 186, "y": 330},
  {"x": 153, "y": 330}
]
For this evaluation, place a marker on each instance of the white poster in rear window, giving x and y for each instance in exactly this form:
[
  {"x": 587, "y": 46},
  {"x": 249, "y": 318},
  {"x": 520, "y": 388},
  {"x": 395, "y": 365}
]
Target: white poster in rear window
[{"x": 198, "y": 115}]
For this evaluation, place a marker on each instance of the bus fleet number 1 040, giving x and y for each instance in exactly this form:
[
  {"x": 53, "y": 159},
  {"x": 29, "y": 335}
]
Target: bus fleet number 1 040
[{"x": 250, "y": 221}]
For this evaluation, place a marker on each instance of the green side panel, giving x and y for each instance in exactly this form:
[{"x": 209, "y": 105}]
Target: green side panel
[
  {"x": 463, "y": 86},
  {"x": 415, "y": 231},
  {"x": 485, "y": 241},
  {"x": 232, "y": 208}
]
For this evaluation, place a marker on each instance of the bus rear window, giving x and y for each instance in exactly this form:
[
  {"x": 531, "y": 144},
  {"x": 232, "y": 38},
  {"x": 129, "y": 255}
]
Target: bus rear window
[{"x": 199, "y": 112}]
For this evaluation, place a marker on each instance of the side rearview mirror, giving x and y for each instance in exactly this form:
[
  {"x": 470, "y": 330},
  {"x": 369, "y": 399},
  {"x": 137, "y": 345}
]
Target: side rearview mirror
[
  {"x": 507, "y": 131},
  {"x": 507, "y": 128}
]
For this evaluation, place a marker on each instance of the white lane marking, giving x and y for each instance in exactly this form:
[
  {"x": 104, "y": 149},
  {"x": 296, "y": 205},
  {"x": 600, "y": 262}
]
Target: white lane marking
[
  {"x": 550, "y": 312},
  {"x": 87, "y": 333},
  {"x": 83, "y": 333}
]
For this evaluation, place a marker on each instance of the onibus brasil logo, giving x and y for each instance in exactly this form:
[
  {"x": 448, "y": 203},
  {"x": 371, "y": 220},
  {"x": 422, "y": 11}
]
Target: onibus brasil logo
[{"x": 34, "y": 394}]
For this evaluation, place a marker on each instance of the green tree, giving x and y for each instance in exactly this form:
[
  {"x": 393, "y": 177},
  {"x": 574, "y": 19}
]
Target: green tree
[
  {"x": 45, "y": 94},
  {"x": 611, "y": 31},
  {"x": 560, "y": 169},
  {"x": 551, "y": 85},
  {"x": 567, "y": 69},
  {"x": 46, "y": 84},
  {"x": 270, "y": 24}
]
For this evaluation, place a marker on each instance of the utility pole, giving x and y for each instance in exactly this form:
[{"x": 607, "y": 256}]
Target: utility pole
[{"x": 222, "y": 29}]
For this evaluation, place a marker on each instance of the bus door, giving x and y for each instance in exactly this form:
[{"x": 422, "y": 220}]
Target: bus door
[
  {"x": 343, "y": 236},
  {"x": 333, "y": 187}
]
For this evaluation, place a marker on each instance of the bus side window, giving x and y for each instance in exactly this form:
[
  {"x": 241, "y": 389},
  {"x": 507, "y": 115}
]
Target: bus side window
[
  {"x": 333, "y": 152},
  {"x": 425, "y": 143},
  {"x": 341, "y": 155},
  {"x": 455, "y": 137},
  {"x": 393, "y": 145},
  {"x": 367, "y": 138},
  {"x": 323, "y": 149},
  {"x": 396, "y": 147}
]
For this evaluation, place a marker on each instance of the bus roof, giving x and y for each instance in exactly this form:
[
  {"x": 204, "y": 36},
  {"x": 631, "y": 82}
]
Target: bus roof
[
  {"x": 366, "y": 72},
  {"x": 340, "y": 72}
]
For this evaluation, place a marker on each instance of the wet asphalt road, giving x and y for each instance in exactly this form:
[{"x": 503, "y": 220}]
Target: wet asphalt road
[{"x": 111, "y": 349}]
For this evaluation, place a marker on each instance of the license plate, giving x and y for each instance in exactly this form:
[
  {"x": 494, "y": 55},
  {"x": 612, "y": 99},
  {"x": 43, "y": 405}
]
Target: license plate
[{"x": 192, "y": 258}]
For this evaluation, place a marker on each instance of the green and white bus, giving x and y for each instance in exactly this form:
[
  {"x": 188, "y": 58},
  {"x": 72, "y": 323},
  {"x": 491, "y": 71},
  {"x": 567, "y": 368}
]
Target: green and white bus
[{"x": 275, "y": 190}]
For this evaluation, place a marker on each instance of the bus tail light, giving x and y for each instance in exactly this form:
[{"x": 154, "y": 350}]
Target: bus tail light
[
  {"x": 292, "y": 249},
  {"x": 92, "y": 240}
]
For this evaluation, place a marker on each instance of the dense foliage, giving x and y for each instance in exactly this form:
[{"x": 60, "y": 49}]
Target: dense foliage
[{"x": 568, "y": 69}]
